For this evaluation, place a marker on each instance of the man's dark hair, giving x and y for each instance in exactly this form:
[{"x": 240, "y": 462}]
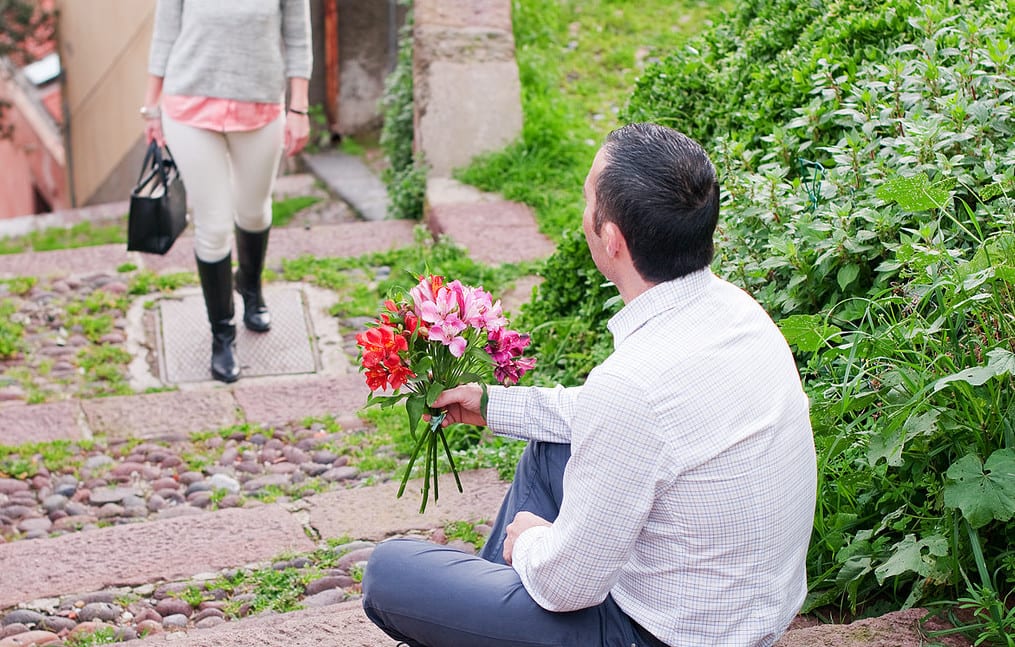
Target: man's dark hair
[{"x": 660, "y": 189}]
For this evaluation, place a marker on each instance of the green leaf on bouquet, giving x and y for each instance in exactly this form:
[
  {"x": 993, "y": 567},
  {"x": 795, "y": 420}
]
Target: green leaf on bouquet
[
  {"x": 414, "y": 406},
  {"x": 433, "y": 392},
  {"x": 384, "y": 401},
  {"x": 422, "y": 364}
]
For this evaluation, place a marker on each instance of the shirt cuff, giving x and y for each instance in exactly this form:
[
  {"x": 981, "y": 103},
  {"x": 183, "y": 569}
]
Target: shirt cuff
[
  {"x": 521, "y": 555},
  {"x": 503, "y": 411}
]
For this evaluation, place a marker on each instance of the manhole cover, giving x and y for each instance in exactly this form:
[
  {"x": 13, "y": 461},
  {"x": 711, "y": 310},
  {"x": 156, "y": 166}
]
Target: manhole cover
[{"x": 185, "y": 351}]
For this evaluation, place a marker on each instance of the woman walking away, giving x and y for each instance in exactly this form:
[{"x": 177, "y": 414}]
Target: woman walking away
[{"x": 216, "y": 95}]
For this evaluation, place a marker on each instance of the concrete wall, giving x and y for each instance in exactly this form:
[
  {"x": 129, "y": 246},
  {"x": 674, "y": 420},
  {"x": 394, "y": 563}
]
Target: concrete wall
[
  {"x": 104, "y": 50},
  {"x": 368, "y": 48},
  {"x": 466, "y": 90}
]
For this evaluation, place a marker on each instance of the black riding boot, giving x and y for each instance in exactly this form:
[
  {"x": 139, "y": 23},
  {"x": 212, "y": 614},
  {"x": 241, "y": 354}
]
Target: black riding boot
[
  {"x": 217, "y": 285},
  {"x": 251, "y": 248}
]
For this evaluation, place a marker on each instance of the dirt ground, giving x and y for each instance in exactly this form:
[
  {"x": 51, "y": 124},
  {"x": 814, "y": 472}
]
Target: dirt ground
[{"x": 898, "y": 629}]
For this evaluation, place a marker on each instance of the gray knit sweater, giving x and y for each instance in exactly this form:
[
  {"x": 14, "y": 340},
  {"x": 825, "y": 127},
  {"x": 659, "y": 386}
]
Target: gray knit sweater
[{"x": 231, "y": 49}]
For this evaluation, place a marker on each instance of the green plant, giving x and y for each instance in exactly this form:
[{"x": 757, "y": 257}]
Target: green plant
[
  {"x": 356, "y": 573},
  {"x": 105, "y": 368},
  {"x": 101, "y": 636},
  {"x": 192, "y": 595},
  {"x": 464, "y": 531},
  {"x": 996, "y": 617},
  {"x": 406, "y": 173},
  {"x": 84, "y": 234},
  {"x": 21, "y": 285},
  {"x": 320, "y": 134},
  {"x": 911, "y": 409},
  {"x": 278, "y": 590},
  {"x": 11, "y": 331},
  {"x": 24, "y": 461},
  {"x": 282, "y": 211},
  {"x": 501, "y": 454},
  {"x": 146, "y": 281}
]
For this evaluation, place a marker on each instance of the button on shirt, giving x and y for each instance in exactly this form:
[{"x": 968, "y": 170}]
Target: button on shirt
[{"x": 690, "y": 491}]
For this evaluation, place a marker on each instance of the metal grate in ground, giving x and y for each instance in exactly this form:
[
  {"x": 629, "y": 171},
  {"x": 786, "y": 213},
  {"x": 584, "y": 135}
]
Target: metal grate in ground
[{"x": 185, "y": 348}]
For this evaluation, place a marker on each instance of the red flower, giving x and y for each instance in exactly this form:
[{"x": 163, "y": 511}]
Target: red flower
[{"x": 381, "y": 359}]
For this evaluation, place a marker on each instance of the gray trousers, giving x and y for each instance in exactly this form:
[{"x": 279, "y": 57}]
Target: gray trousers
[{"x": 428, "y": 595}]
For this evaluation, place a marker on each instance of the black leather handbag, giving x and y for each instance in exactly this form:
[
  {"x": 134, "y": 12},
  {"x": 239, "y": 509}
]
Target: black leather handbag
[{"x": 158, "y": 204}]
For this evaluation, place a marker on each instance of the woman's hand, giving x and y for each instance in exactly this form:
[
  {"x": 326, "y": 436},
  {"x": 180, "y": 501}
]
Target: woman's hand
[
  {"x": 153, "y": 131},
  {"x": 297, "y": 132}
]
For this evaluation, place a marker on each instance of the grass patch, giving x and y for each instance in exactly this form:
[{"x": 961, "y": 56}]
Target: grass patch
[
  {"x": 101, "y": 636},
  {"x": 146, "y": 281},
  {"x": 12, "y": 332},
  {"x": 283, "y": 211},
  {"x": 84, "y": 234},
  {"x": 466, "y": 532},
  {"x": 23, "y": 461},
  {"x": 578, "y": 61}
]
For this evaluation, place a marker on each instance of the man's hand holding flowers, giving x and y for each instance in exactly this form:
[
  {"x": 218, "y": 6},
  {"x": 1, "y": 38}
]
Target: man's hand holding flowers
[{"x": 421, "y": 348}]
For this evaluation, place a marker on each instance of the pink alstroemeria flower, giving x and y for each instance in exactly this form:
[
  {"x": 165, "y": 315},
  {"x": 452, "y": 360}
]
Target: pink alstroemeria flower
[
  {"x": 480, "y": 312},
  {"x": 505, "y": 347},
  {"x": 447, "y": 332}
]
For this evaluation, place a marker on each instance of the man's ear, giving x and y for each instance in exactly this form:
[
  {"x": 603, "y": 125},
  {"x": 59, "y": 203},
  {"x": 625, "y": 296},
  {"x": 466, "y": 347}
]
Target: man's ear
[{"x": 613, "y": 240}]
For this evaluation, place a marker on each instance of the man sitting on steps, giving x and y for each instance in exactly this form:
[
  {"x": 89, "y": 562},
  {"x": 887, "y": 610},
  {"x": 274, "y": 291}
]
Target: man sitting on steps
[{"x": 667, "y": 501}]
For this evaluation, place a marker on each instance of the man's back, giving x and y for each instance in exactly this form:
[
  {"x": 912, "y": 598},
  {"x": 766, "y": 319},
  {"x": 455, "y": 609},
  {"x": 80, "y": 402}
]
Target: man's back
[{"x": 717, "y": 419}]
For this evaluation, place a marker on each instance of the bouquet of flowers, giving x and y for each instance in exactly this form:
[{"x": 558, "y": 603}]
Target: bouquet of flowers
[{"x": 442, "y": 335}]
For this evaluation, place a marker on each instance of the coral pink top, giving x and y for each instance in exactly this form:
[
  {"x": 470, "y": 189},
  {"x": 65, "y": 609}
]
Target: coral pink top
[{"x": 220, "y": 115}]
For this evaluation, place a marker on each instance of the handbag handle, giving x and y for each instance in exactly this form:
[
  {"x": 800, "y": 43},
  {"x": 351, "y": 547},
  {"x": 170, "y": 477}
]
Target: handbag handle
[{"x": 154, "y": 161}]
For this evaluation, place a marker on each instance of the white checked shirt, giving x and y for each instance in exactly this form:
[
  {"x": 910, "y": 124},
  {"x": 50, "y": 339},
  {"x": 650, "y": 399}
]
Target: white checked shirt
[{"x": 689, "y": 495}]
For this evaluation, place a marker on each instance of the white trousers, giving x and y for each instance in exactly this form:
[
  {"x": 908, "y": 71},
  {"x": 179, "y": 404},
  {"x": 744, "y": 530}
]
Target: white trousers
[{"x": 229, "y": 179}]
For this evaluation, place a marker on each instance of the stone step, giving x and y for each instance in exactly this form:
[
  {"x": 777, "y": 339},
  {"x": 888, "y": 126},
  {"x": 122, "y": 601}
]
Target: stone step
[
  {"x": 342, "y": 624},
  {"x": 325, "y": 241},
  {"x": 174, "y": 415},
  {"x": 177, "y": 548}
]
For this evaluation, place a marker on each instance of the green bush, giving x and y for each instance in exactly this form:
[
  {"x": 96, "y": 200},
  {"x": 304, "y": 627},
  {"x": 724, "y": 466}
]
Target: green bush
[
  {"x": 567, "y": 319},
  {"x": 756, "y": 68},
  {"x": 866, "y": 158},
  {"x": 405, "y": 175}
]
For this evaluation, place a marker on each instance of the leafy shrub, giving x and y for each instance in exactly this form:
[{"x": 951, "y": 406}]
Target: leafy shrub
[
  {"x": 912, "y": 410},
  {"x": 567, "y": 319},
  {"x": 754, "y": 69},
  {"x": 405, "y": 175},
  {"x": 866, "y": 155}
]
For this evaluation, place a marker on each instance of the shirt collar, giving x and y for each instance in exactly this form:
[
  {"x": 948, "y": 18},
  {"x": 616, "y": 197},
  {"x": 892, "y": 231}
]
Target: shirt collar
[{"x": 657, "y": 299}]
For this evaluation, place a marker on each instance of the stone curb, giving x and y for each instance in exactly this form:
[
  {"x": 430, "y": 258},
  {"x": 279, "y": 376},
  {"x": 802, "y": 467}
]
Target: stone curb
[
  {"x": 324, "y": 241},
  {"x": 134, "y": 554},
  {"x": 341, "y": 624},
  {"x": 180, "y": 547}
]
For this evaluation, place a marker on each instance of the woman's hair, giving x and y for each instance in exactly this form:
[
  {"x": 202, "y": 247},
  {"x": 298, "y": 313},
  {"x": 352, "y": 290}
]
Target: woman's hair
[{"x": 660, "y": 189}]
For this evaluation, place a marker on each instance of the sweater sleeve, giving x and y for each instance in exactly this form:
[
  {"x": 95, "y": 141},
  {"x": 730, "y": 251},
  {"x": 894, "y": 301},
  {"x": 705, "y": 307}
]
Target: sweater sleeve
[
  {"x": 168, "y": 15},
  {"x": 299, "y": 56}
]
